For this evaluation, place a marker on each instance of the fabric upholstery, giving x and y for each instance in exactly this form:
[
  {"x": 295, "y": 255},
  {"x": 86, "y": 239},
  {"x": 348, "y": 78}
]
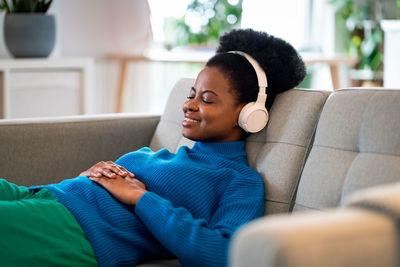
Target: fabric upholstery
[
  {"x": 279, "y": 151},
  {"x": 357, "y": 145},
  {"x": 169, "y": 131},
  {"x": 339, "y": 237},
  {"x": 43, "y": 151},
  {"x": 384, "y": 199}
]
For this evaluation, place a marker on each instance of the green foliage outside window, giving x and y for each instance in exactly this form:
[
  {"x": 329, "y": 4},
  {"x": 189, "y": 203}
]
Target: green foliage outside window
[
  {"x": 364, "y": 36},
  {"x": 203, "y": 22}
]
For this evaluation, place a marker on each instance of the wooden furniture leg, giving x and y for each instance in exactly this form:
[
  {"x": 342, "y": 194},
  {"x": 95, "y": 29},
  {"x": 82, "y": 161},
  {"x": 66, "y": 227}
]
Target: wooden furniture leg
[
  {"x": 121, "y": 85},
  {"x": 334, "y": 68}
]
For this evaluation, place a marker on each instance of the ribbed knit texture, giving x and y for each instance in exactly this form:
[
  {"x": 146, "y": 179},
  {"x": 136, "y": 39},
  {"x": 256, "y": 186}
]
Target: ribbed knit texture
[{"x": 198, "y": 197}]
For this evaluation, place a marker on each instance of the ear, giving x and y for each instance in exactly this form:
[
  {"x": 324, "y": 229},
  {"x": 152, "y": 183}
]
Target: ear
[{"x": 237, "y": 111}]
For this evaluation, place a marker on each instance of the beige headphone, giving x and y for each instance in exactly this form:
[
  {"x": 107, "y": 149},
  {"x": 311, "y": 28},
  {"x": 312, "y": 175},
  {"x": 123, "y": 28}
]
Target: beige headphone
[{"x": 254, "y": 116}]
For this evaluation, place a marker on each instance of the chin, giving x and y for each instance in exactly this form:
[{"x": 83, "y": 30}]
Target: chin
[{"x": 188, "y": 136}]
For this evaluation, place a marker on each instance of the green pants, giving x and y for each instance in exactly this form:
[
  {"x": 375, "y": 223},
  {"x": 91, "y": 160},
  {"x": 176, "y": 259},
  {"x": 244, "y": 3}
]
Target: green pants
[{"x": 37, "y": 230}]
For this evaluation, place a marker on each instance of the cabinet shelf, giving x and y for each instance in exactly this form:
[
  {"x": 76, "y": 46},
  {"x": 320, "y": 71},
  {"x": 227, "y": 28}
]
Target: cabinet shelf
[{"x": 44, "y": 87}]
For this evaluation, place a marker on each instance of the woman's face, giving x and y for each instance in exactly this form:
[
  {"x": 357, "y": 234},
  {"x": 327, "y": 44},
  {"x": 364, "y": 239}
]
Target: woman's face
[{"x": 212, "y": 110}]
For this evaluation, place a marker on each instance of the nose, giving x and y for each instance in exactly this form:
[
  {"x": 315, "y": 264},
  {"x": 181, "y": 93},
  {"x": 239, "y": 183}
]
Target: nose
[{"x": 190, "y": 105}]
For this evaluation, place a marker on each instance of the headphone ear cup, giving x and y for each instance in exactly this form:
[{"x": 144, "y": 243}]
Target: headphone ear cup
[{"x": 253, "y": 117}]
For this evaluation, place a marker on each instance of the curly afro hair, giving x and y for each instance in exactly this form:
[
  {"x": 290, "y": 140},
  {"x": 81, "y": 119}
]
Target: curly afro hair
[{"x": 282, "y": 64}]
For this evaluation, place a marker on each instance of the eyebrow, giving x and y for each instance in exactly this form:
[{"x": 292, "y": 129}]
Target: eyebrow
[{"x": 206, "y": 91}]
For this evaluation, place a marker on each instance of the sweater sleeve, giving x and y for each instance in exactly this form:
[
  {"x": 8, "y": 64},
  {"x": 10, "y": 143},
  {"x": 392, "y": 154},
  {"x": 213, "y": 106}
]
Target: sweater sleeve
[{"x": 195, "y": 241}]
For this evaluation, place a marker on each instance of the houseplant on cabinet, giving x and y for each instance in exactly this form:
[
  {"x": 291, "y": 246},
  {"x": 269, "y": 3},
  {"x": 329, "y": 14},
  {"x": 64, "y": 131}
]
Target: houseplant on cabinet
[
  {"x": 28, "y": 30},
  {"x": 358, "y": 22}
]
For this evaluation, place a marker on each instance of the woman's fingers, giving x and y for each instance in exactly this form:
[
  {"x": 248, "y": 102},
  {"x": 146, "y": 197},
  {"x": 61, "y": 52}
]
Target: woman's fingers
[
  {"x": 108, "y": 173},
  {"x": 108, "y": 169},
  {"x": 117, "y": 169}
]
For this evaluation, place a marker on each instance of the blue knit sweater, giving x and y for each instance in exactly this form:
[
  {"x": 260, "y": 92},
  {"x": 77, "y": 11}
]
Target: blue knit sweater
[{"x": 198, "y": 197}]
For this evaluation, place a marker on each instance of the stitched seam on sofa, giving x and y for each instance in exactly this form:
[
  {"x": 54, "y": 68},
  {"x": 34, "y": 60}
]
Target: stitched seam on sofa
[
  {"x": 309, "y": 146},
  {"x": 362, "y": 119},
  {"x": 363, "y": 89},
  {"x": 361, "y": 152},
  {"x": 276, "y": 201},
  {"x": 78, "y": 122},
  {"x": 311, "y": 90},
  {"x": 308, "y": 207},
  {"x": 275, "y": 142}
]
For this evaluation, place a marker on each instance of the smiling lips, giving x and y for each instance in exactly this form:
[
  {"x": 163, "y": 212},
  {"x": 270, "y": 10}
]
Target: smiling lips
[{"x": 189, "y": 121}]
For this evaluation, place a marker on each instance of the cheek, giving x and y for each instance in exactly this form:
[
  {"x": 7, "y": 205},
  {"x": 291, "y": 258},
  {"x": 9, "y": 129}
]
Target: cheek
[{"x": 227, "y": 119}]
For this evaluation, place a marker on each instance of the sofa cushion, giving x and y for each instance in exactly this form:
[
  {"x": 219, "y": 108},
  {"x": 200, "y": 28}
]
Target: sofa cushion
[
  {"x": 168, "y": 133},
  {"x": 277, "y": 153},
  {"x": 357, "y": 145}
]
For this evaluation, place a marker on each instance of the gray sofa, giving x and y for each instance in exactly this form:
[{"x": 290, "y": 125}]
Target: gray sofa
[{"x": 330, "y": 164}]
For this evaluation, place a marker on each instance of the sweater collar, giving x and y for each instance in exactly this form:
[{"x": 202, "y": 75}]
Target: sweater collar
[{"x": 228, "y": 150}]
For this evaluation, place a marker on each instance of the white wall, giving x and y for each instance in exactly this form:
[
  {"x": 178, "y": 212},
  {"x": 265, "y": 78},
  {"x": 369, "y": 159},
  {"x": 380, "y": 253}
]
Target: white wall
[
  {"x": 97, "y": 29},
  {"x": 100, "y": 27},
  {"x": 392, "y": 53}
]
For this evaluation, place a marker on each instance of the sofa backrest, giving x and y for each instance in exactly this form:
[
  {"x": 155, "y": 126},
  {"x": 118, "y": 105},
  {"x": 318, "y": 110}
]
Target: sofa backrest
[
  {"x": 357, "y": 145},
  {"x": 277, "y": 153},
  {"x": 37, "y": 151}
]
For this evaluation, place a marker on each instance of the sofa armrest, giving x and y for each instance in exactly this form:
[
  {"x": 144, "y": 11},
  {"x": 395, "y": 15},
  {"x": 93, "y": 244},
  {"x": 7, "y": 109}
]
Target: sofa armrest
[
  {"x": 383, "y": 199},
  {"x": 340, "y": 237},
  {"x": 47, "y": 150}
]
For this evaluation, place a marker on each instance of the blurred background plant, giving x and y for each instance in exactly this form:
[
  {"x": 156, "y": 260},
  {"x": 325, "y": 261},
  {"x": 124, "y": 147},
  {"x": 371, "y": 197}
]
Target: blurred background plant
[
  {"x": 204, "y": 21},
  {"x": 25, "y": 6},
  {"x": 361, "y": 33}
]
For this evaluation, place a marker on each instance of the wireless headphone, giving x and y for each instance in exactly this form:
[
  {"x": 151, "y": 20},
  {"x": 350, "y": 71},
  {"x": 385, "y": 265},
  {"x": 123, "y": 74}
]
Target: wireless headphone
[{"x": 254, "y": 116}]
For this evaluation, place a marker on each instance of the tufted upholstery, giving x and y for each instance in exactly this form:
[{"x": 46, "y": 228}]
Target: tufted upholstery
[{"x": 356, "y": 145}]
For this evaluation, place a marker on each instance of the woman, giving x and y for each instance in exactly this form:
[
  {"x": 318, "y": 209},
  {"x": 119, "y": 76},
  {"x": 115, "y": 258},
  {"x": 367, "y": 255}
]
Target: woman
[{"x": 149, "y": 204}]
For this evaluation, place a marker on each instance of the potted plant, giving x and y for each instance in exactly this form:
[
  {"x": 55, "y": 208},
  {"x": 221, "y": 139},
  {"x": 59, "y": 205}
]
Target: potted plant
[{"x": 28, "y": 30}]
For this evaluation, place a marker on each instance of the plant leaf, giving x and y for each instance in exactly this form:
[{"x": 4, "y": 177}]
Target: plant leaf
[{"x": 5, "y": 6}]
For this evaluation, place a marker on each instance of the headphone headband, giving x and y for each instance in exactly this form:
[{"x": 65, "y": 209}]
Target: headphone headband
[
  {"x": 254, "y": 116},
  {"x": 261, "y": 76}
]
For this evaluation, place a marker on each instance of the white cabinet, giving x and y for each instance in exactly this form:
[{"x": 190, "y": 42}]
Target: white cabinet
[
  {"x": 391, "y": 67},
  {"x": 44, "y": 87}
]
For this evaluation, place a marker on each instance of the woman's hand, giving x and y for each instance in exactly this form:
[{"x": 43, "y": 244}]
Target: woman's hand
[
  {"x": 107, "y": 169},
  {"x": 126, "y": 189}
]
